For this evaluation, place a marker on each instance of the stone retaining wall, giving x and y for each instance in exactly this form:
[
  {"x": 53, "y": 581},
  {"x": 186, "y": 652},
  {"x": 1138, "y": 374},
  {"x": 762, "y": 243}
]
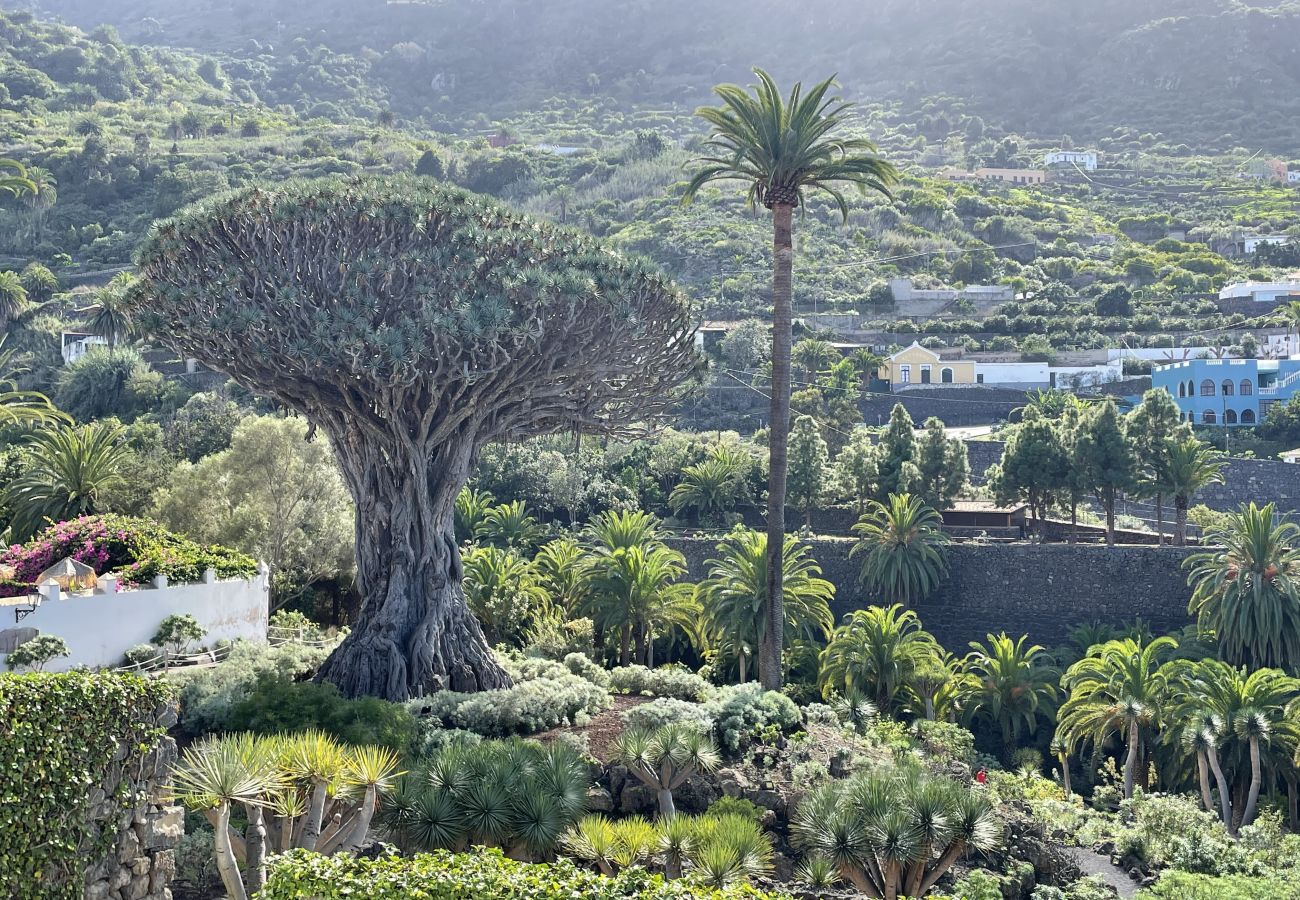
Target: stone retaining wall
[
  {"x": 142, "y": 861},
  {"x": 1039, "y": 590}
]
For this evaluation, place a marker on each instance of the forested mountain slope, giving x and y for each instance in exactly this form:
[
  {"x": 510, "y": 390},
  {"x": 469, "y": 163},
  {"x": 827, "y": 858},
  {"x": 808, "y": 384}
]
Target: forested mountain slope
[{"x": 1215, "y": 73}]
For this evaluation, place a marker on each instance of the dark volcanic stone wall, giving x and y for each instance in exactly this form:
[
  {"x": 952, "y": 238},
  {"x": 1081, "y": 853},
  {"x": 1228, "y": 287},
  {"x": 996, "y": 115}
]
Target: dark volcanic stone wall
[{"x": 1039, "y": 590}]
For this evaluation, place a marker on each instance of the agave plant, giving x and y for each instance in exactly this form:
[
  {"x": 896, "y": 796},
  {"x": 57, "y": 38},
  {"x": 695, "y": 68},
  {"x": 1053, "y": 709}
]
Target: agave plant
[
  {"x": 896, "y": 833},
  {"x": 666, "y": 757},
  {"x": 515, "y": 795}
]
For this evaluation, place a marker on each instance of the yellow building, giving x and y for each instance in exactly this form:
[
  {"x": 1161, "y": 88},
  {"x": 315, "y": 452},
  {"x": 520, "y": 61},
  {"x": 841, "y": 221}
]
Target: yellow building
[
  {"x": 1013, "y": 176},
  {"x": 917, "y": 365}
]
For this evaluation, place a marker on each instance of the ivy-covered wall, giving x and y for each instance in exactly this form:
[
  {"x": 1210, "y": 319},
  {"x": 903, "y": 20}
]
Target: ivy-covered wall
[{"x": 84, "y": 765}]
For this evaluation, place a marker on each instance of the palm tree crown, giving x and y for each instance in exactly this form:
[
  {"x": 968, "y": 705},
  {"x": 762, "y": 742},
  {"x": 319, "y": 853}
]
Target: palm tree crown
[{"x": 902, "y": 543}]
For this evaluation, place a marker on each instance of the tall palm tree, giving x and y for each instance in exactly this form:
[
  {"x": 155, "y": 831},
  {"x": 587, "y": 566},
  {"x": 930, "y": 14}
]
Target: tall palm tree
[
  {"x": 1247, "y": 588},
  {"x": 1117, "y": 689},
  {"x": 734, "y": 595},
  {"x": 902, "y": 543},
  {"x": 634, "y": 591},
  {"x": 782, "y": 149},
  {"x": 109, "y": 315},
  {"x": 1012, "y": 685},
  {"x": 878, "y": 652},
  {"x": 13, "y": 298},
  {"x": 13, "y": 179},
  {"x": 40, "y": 199},
  {"x": 68, "y": 471},
  {"x": 1187, "y": 468}
]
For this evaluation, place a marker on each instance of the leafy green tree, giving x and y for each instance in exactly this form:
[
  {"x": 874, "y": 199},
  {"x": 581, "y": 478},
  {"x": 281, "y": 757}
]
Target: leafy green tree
[
  {"x": 856, "y": 469},
  {"x": 448, "y": 297},
  {"x": 1034, "y": 466},
  {"x": 1119, "y": 688},
  {"x": 112, "y": 383},
  {"x": 36, "y": 653},
  {"x": 429, "y": 165},
  {"x": 1105, "y": 456},
  {"x": 175, "y": 633},
  {"x": 733, "y": 595},
  {"x": 747, "y": 346},
  {"x": 894, "y": 834},
  {"x": 203, "y": 426},
  {"x": 273, "y": 494},
  {"x": 21, "y": 407},
  {"x": 1186, "y": 468},
  {"x": 1013, "y": 686},
  {"x": 896, "y": 469},
  {"x": 809, "y": 467},
  {"x": 783, "y": 149},
  {"x": 943, "y": 466},
  {"x": 68, "y": 470},
  {"x": 878, "y": 652},
  {"x": 1156, "y": 425},
  {"x": 1246, "y": 588},
  {"x": 902, "y": 544}
]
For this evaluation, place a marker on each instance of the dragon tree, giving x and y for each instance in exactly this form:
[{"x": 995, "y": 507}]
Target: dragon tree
[{"x": 412, "y": 324}]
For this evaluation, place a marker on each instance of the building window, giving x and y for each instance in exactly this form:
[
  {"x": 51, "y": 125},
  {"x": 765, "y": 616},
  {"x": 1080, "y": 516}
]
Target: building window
[
  {"x": 1227, "y": 389},
  {"x": 979, "y": 379},
  {"x": 1191, "y": 389},
  {"x": 925, "y": 374},
  {"x": 1209, "y": 418},
  {"x": 904, "y": 374},
  {"x": 1229, "y": 417},
  {"x": 1182, "y": 389},
  {"x": 1247, "y": 417},
  {"x": 1246, "y": 387},
  {"x": 1207, "y": 388},
  {"x": 945, "y": 375}
]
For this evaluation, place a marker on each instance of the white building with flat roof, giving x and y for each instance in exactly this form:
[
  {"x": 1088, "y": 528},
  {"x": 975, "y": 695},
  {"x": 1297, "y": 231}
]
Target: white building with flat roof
[
  {"x": 1262, "y": 291},
  {"x": 1084, "y": 159}
]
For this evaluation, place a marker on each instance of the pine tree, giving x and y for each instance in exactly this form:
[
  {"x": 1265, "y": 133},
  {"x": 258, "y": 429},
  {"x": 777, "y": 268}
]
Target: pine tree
[
  {"x": 943, "y": 465},
  {"x": 1105, "y": 455},
  {"x": 897, "y": 472},
  {"x": 1156, "y": 427},
  {"x": 1035, "y": 465},
  {"x": 856, "y": 469},
  {"x": 809, "y": 466}
]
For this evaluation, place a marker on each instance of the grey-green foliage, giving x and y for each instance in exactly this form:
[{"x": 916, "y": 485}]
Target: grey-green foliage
[
  {"x": 668, "y": 711},
  {"x": 665, "y": 681},
  {"x": 740, "y": 710},
  {"x": 545, "y": 694}
]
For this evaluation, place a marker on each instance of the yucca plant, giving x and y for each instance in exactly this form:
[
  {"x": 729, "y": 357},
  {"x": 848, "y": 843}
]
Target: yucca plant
[
  {"x": 320, "y": 762},
  {"x": 896, "y": 833},
  {"x": 855, "y": 709},
  {"x": 515, "y": 795},
  {"x": 663, "y": 758},
  {"x": 727, "y": 849},
  {"x": 612, "y": 846}
]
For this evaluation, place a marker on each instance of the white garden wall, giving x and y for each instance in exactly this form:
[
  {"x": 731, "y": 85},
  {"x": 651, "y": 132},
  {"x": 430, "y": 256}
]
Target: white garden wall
[{"x": 100, "y": 627}]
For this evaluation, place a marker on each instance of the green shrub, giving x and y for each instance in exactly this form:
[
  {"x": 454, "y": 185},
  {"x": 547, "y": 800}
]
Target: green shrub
[
  {"x": 666, "y": 710},
  {"x": 666, "y": 681},
  {"x": 1175, "y": 885},
  {"x": 447, "y": 876},
  {"x": 207, "y": 695},
  {"x": 277, "y": 705},
  {"x": 290, "y": 624},
  {"x": 581, "y": 664},
  {"x": 946, "y": 741},
  {"x": 545, "y": 695},
  {"x": 740, "y": 711},
  {"x": 61, "y": 734},
  {"x": 37, "y": 651},
  {"x": 143, "y": 657},
  {"x": 736, "y": 806}
]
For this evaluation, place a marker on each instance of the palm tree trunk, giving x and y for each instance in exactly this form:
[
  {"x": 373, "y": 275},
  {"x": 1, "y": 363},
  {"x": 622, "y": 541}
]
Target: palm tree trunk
[
  {"x": 1225, "y": 798},
  {"x": 1256, "y": 780},
  {"x": 1292, "y": 801},
  {"x": 769, "y": 655},
  {"x": 1108, "y": 500},
  {"x": 1064, "y": 760},
  {"x": 1074, "y": 521},
  {"x": 1180, "y": 521},
  {"x": 744, "y": 666},
  {"x": 1130, "y": 761},
  {"x": 625, "y": 646},
  {"x": 1160, "y": 519},
  {"x": 1203, "y": 775}
]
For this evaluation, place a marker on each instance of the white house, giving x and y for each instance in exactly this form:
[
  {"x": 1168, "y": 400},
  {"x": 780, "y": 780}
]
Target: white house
[
  {"x": 1290, "y": 456},
  {"x": 1084, "y": 159},
  {"x": 1292, "y": 177},
  {"x": 1262, "y": 291},
  {"x": 77, "y": 344},
  {"x": 1021, "y": 375},
  {"x": 1252, "y": 242}
]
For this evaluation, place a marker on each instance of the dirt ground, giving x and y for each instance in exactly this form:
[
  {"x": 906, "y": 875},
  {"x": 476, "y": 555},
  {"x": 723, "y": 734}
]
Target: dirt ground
[{"x": 602, "y": 730}]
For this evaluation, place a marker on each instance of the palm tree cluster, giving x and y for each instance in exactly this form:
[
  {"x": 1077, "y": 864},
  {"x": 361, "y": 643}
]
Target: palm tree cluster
[
  {"x": 516, "y": 795},
  {"x": 303, "y": 790},
  {"x": 619, "y": 574}
]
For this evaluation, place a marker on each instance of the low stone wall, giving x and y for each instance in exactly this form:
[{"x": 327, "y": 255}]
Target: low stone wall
[
  {"x": 142, "y": 860},
  {"x": 954, "y": 405},
  {"x": 1040, "y": 590}
]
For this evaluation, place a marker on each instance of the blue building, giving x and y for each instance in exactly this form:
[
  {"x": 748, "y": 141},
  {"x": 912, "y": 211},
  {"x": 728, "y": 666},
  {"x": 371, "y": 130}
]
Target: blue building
[{"x": 1228, "y": 391}]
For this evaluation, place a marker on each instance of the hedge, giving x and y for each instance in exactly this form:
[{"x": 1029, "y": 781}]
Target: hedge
[
  {"x": 482, "y": 874},
  {"x": 59, "y": 734},
  {"x": 138, "y": 550}
]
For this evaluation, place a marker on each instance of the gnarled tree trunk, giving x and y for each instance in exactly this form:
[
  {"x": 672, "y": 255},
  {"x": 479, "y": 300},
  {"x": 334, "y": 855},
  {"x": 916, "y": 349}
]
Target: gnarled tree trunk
[{"x": 415, "y": 633}]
